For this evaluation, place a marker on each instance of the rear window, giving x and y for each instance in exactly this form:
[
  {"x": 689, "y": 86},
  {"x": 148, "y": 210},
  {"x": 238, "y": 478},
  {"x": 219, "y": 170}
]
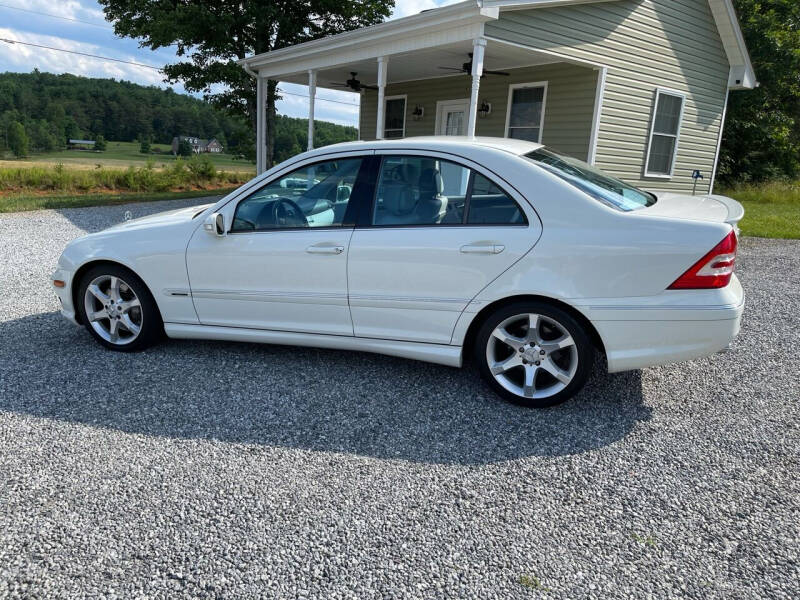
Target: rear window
[{"x": 592, "y": 181}]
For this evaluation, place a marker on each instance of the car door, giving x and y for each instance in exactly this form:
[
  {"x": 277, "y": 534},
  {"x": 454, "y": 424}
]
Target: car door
[
  {"x": 282, "y": 264},
  {"x": 437, "y": 233}
]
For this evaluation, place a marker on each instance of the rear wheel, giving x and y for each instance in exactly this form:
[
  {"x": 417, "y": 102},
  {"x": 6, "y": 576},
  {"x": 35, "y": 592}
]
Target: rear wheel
[
  {"x": 534, "y": 354},
  {"x": 118, "y": 309}
]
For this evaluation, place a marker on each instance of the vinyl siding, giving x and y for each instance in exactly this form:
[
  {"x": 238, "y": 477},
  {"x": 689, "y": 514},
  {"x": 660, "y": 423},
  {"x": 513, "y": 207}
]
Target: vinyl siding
[
  {"x": 645, "y": 44},
  {"x": 569, "y": 105}
]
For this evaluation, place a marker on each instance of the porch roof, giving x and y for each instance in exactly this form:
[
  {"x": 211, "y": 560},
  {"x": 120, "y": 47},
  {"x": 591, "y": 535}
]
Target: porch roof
[{"x": 446, "y": 33}]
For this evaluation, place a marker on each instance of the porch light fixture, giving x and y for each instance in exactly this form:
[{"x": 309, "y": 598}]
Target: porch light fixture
[
  {"x": 418, "y": 113},
  {"x": 485, "y": 109}
]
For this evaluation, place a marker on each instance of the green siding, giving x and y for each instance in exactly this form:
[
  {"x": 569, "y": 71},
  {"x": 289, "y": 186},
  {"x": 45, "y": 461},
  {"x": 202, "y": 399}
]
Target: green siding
[
  {"x": 569, "y": 105},
  {"x": 645, "y": 44}
]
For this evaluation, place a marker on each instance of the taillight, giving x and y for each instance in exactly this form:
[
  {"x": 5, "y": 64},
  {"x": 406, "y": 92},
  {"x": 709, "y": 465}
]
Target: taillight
[{"x": 712, "y": 271}]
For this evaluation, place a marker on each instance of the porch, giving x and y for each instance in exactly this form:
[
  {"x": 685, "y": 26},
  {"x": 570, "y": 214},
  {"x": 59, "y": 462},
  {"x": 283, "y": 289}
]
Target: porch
[{"x": 438, "y": 73}]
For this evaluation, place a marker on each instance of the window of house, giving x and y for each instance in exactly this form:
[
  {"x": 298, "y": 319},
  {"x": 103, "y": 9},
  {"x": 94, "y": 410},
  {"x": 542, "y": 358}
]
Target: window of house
[
  {"x": 664, "y": 132},
  {"x": 394, "y": 117},
  {"x": 421, "y": 190},
  {"x": 525, "y": 113},
  {"x": 314, "y": 195}
]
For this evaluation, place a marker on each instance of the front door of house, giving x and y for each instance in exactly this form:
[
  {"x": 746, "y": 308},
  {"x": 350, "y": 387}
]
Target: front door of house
[{"x": 451, "y": 117}]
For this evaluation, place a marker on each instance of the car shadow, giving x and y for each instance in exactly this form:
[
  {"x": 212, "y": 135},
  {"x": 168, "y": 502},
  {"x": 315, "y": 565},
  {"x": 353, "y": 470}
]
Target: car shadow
[{"x": 320, "y": 400}]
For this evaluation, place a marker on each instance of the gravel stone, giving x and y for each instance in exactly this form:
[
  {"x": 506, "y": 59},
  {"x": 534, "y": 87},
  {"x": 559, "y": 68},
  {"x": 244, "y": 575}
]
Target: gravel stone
[{"x": 221, "y": 470}]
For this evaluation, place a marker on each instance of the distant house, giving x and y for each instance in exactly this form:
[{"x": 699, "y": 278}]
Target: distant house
[
  {"x": 80, "y": 144},
  {"x": 198, "y": 145}
]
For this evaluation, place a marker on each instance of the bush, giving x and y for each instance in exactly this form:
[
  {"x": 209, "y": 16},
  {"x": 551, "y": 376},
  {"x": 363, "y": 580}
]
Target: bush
[
  {"x": 17, "y": 139},
  {"x": 199, "y": 171},
  {"x": 100, "y": 143}
]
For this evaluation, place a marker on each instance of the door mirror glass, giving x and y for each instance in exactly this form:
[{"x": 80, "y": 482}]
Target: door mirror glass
[{"x": 215, "y": 224}]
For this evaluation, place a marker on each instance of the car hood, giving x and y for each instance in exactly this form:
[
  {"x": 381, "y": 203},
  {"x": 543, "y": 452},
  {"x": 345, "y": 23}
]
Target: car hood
[
  {"x": 716, "y": 209},
  {"x": 169, "y": 217}
]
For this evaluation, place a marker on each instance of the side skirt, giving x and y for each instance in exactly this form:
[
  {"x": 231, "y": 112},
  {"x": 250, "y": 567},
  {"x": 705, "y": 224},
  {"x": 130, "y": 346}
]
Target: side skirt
[{"x": 435, "y": 353}]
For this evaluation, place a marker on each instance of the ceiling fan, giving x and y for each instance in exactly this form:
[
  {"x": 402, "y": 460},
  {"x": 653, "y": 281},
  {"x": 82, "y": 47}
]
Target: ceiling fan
[
  {"x": 355, "y": 85},
  {"x": 467, "y": 68}
]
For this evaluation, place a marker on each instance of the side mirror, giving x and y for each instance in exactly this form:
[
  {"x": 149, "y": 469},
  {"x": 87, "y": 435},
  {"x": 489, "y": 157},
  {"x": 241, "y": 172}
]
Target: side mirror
[{"x": 215, "y": 224}]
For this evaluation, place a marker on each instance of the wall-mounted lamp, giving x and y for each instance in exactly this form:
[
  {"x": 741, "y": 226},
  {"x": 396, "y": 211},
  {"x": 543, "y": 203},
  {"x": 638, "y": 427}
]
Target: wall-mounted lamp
[
  {"x": 485, "y": 109},
  {"x": 418, "y": 113}
]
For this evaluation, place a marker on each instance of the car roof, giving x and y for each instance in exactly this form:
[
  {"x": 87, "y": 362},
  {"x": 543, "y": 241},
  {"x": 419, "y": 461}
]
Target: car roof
[{"x": 439, "y": 142}]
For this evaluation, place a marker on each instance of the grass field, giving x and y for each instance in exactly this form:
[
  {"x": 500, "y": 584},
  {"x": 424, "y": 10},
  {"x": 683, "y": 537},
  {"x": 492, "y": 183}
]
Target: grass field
[
  {"x": 772, "y": 210},
  {"x": 122, "y": 155},
  {"x": 23, "y": 203}
]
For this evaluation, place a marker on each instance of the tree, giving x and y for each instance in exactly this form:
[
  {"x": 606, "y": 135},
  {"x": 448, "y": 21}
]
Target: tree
[
  {"x": 100, "y": 143},
  {"x": 144, "y": 144},
  {"x": 214, "y": 34},
  {"x": 184, "y": 148},
  {"x": 762, "y": 134},
  {"x": 17, "y": 139}
]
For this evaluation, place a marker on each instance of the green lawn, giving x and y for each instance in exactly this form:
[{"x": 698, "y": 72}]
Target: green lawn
[
  {"x": 23, "y": 203},
  {"x": 772, "y": 210},
  {"x": 121, "y": 155}
]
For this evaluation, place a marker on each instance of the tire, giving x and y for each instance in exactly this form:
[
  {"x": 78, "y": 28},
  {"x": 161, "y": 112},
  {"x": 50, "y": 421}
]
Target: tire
[
  {"x": 534, "y": 370},
  {"x": 124, "y": 318}
]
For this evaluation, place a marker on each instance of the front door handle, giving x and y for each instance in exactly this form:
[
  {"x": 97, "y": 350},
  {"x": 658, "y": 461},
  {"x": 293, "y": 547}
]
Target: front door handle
[
  {"x": 482, "y": 249},
  {"x": 324, "y": 249}
]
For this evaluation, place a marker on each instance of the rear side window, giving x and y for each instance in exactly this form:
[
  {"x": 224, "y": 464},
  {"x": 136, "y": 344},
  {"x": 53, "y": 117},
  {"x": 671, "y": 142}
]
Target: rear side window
[
  {"x": 490, "y": 205},
  {"x": 421, "y": 190}
]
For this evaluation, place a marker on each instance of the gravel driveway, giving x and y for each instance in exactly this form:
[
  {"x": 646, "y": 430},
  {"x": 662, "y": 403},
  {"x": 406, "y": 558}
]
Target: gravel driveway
[{"x": 211, "y": 470}]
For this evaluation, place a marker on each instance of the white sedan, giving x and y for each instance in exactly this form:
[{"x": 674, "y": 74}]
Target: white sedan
[{"x": 438, "y": 249}]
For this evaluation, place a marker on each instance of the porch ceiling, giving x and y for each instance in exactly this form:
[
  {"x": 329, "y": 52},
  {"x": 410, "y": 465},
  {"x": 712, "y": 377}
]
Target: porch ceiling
[{"x": 424, "y": 64}]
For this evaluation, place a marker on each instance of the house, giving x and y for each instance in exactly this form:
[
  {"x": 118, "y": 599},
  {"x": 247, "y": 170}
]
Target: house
[
  {"x": 198, "y": 145},
  {"x": 637, "y": 87}
]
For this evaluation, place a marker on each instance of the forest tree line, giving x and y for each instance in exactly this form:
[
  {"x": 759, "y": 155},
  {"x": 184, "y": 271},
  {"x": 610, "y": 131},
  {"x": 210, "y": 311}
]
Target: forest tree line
[{"x": 46, "y": 110}]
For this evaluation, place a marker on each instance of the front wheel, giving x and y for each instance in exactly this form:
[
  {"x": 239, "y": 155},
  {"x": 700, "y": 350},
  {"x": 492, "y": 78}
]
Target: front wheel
[
  {"x": 534, "y": 354},
  {"x": 118, "y": 309}
]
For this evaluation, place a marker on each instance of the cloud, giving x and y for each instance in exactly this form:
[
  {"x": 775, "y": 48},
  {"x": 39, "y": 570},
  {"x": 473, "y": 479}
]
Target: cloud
[
  {"x": 405, "y": 8},
  {"x": 19, "y": 57},
  {"x": 70, "y": 9}
]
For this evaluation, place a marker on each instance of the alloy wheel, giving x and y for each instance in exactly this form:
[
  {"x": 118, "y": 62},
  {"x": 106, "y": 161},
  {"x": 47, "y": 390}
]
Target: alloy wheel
[
  {"x": 113, "y": 310},
  {"x": 532, "y": 356}
]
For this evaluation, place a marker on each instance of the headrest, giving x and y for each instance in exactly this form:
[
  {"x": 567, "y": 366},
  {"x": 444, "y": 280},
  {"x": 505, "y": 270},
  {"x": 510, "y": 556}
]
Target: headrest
[
  {"x": 397, "y": 198},
  {"x": 430, "y": 183}
]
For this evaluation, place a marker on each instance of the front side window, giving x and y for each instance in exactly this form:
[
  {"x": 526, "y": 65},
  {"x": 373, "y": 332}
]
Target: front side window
[
  {"x": 525, "y": 116},
  {"x": 592, "y": 181},
  {"x": 663, "y": 144},
  {"x": 421, "y": 190},
  {"x": 395, "y": 117},
  {"x": 315, "y": 195}
]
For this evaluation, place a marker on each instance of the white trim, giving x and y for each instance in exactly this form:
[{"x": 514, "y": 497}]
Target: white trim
[
  {"x": 677, "y": 135},
  {"x": 405, "y": 109},
  {"x": 719, "y": 144},
  {"x": 599, "y": 97},
  {"x": 515, "y": 86},
  {"x": 440, "y": 107}
]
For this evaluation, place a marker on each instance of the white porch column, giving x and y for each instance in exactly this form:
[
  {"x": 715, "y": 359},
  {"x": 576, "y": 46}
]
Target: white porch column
[
  {"x": 312, "y": 92},
  {"x": 477, "y": 70},
  {"x": 261, "y": 147},
  {"x": 383, "y": 63}
]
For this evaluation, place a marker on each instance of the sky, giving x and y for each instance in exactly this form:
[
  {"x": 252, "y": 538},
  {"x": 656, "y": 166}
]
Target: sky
[{"x": 79, "y": 25}]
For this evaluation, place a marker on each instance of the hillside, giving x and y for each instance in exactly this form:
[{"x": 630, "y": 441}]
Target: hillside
[{"x": 53, "y": 108}]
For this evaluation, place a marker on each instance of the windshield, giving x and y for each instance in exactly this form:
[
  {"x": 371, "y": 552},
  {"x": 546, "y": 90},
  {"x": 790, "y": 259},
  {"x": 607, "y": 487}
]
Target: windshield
[{"x": 608, "y": 190}]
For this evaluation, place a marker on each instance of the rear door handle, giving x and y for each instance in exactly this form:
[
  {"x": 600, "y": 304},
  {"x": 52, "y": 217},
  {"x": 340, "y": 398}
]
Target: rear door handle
[
  {"x": 482, "y": 249},
  {"x": 325, "y": 249}
]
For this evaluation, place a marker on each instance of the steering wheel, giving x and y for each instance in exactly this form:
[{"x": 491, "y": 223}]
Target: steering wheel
[{"x": 286, "y": 213}]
